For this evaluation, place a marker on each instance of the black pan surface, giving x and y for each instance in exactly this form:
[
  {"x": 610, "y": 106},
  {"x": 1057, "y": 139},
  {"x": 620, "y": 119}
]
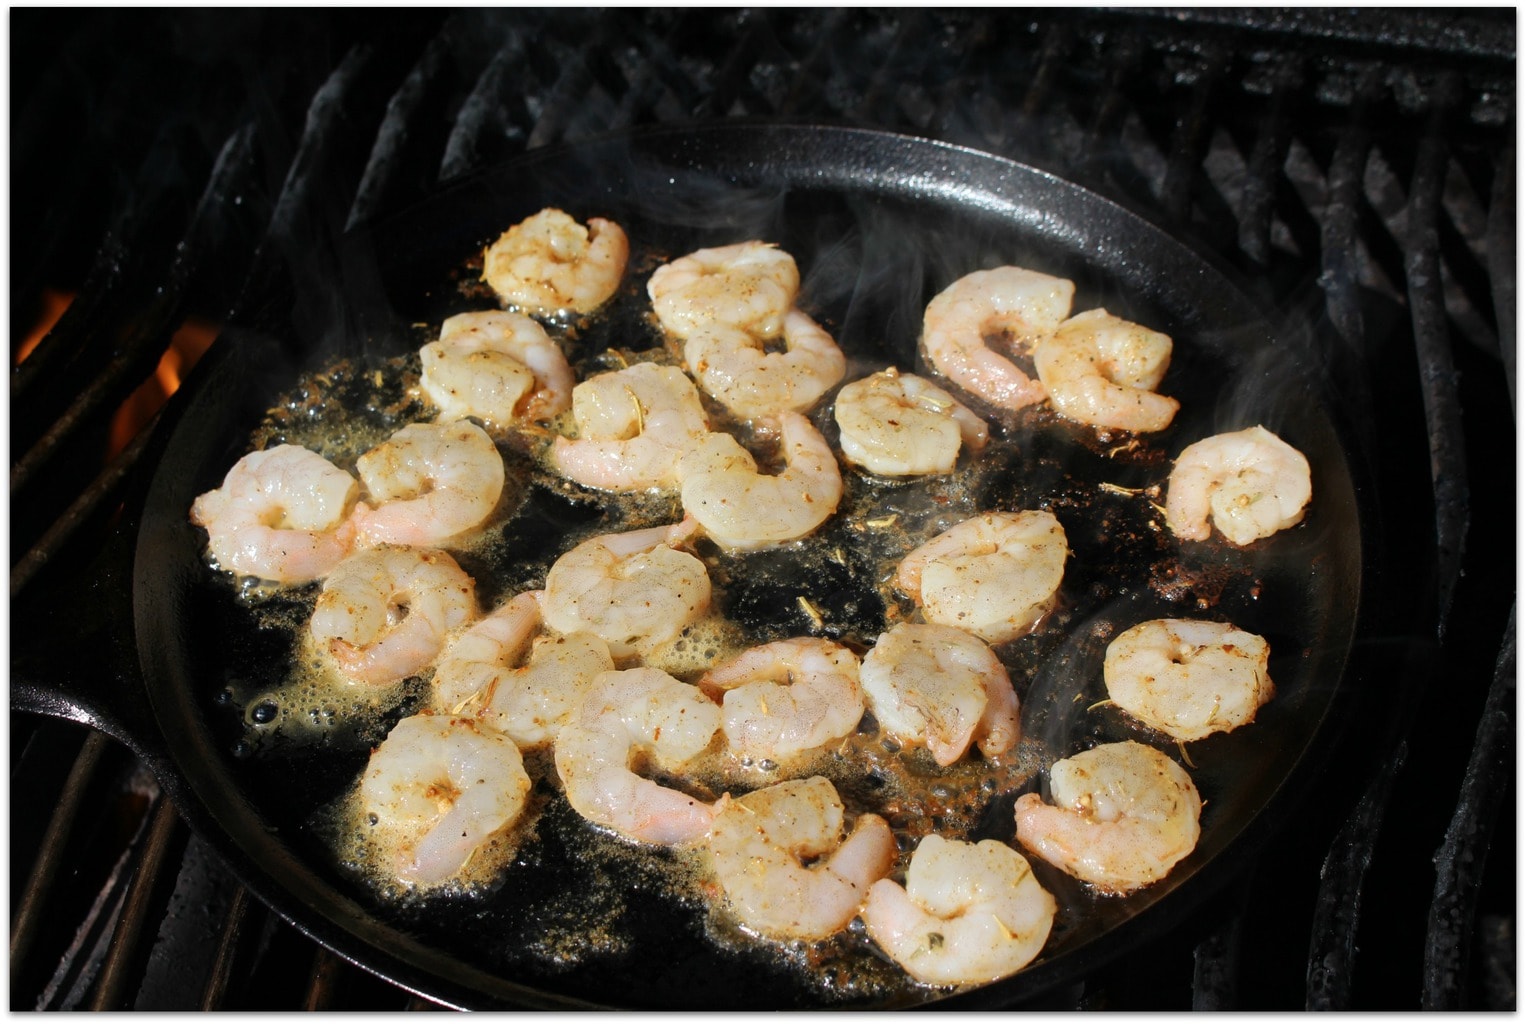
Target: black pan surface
[{"x": 878, "y": 224}]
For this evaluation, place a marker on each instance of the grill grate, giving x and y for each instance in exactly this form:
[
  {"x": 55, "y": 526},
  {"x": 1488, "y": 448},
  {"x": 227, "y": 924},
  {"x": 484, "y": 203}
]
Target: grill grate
[{"x": 1356, "y": 166}]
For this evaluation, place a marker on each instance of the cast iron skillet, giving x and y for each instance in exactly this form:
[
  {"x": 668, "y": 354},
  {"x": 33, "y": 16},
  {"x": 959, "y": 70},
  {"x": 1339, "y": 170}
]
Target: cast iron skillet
[{"x": 878, "y": 224}]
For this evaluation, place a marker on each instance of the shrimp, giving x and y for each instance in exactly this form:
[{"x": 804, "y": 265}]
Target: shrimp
[
  {"x": 1251, "y": 481},
  {"x": 899, "y": 424},
  {"x": 633, "y": 424},
  {"x": 994, "y": 575},
  {"x": 1188, "y": 678},
  {"x": 749, "y": 286},
  {"x": 549, "y": 263},
  {"x": 1123, "y": 815},
  {"x": 734, "y": 368},
  {"x": 499, "y": 367},
  {"x": 625, "y": 714},
  {"x": 439, "y": 788},
  {"x": 480, "y": 672},
  {"x": 941, "y": 687},
  {"x": 432, "y": 482},
  {"x": 969, "y": 913},
  {"x": 634, "y": 590},
  {"x": 384, "y": 612},
  {"x": 740, "y": 508},
  {"x": 1023, "y": 305},
  {"x": 1103, "y": 370},
  {"x": 279, "y": 515},
  {"x": 760, "y": 844},
  {"x": 787, "y": 696}
]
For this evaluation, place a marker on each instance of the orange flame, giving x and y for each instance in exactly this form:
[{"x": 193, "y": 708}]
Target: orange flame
[
  {"x": 187, "y": 345},
  {"x": 53, "y": 306}
]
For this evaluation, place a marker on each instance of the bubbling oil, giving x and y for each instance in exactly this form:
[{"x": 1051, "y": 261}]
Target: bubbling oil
[{"x": 837, "y": 584}]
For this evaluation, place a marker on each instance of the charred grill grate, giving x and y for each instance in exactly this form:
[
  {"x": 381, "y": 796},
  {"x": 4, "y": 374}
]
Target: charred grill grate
[{"x": 1357, "y": 167}]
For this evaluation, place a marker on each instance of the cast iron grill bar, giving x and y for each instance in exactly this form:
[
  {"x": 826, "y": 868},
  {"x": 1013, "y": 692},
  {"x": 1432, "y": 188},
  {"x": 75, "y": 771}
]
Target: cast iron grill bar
[
  {"x": 1342, "y": 226},
  {"x": 1189, "y": 143},
  {"x": 483, "y": 113},
  {"x": 220, "y": 974},
  {"x": 122, "y": 965},
  {"x": 50, "y": 855},
  {"x": 1500, "y": 242},
  {"x": 402, "y": 123},
  {"x": 1264, "y": 168},
  {"x": 1338, "y": 906},
  {"x": 1438, "y": 374},
  {"x": 105, "y": 490},
  {"x": 322, "y": 981},
  {"x": 1465, "y": 849}
]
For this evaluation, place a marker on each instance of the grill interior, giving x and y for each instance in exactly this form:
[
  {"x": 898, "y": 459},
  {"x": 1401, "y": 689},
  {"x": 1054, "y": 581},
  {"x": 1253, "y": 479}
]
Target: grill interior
[{"x": 179, "y": 171}]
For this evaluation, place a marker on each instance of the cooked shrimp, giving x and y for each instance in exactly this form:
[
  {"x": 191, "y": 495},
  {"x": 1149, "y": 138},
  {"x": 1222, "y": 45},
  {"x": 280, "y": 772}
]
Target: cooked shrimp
[
  {"x": 549, "y": 263},
  {"x": 1188, "y": 678},
  {"x": 1123, "y": 815},
  {"x": 940, "y": 687},
  {"x": 634, "y": 590},
  {"x": 1251, "y": 481},
  {"x": 497, "y": 366},
  {"x": 761, "y": 842},
  {"x": 432, "y": 483},
  {"x": 735, "y": 369},
  {"x": 384, "y": 612},
  {"x": 279, "y": 515},
  {"x": 741, "y": 508},
  {"x": 1103, "y": 370},
  {"x": 787, "y": 696},
  {"x": 633, "y": 424},
  {"x": 749, "y": 286},
  {"x": 994, "y": 575},
  {"x": 640, "y": 711},
  {"x": 481, "y": 673},
  {"x": 1022, "y": 305},
  {"x": 970, "y": 913},
  {"x": 439, "y": 788},
  {"x": 899, "y": 424}
]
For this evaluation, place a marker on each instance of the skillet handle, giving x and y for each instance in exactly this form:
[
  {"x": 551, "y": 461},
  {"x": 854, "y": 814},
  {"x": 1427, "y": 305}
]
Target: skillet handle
[{"x": 73, "y": 653}]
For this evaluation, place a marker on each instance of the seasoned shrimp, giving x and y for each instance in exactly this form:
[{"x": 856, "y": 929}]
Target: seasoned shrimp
[
  {"x": 549, "y": 263},
  {"x": 633, "y": 424},
  {"x": 787, "y": 696},
  {"x": 1123, "y": 815},
  {"x": 994, "y": 575},
  {"x": 941, "y": 687},
  {"x": 497, "y": 366},
  {"x": 969, "y": 913},
  {"x": 761, "y": 842},
  {"x": 626, "y": 714},
  {"x": 439, "y": 788},
  {"x": 1251, "y": 481},
  {"x": 749, "y": 286},
  {"x": 432, "y": 482},
  {"x": 741, "y": 508},
  {"x": 481, "y": 673},
  {"x": 384, "y": 612},
  {"x": 735, "y": 369},
  {"x": 279, "y": 515},
  {"x": 1103, "y": 370},
  {"x": 1022, "y": 305},
  {"x": 899, "y": 424},
  {"x": 634, "y": 590},
  {"x": 1188, "y": 678}
]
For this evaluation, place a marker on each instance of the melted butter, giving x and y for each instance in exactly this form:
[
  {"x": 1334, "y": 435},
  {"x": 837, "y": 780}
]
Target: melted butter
[{"x": 348, "y": 408}]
